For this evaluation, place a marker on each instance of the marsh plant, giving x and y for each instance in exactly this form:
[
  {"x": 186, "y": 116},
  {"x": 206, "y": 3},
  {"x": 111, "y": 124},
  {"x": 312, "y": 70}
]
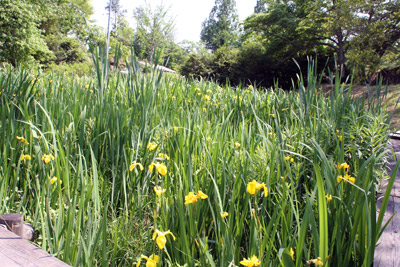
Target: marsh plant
[{"x": 154, "y": 169}]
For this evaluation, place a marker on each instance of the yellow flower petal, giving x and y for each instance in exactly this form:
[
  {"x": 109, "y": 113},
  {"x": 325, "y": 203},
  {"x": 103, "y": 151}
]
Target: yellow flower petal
[
  {"x": 151, "y": 146},
  {"x": 53, "y": 180},
  {"x": 190, "y": 198},
  {"x": 47, "y": 158},
  {"x": 251, "y": 187},
  {"x": 317, "y": 262},
  {"x": 344, "y": 166},
  {"x": 265, "y": 191},
  {"x": 253, "y": 261},
  {"x": 134, "y": 164},
  {"x": 161, "y": 239},
  {"x": 201, "y": 195},
  {"x": 151, "y": 167},
  {"x": 328, "y": 198},
  {"x": 162, "y": 169},
  {"x": 291, "y": 253},
  {"x": 159, "y": 190},
  {"x": 25, "y": 157}
]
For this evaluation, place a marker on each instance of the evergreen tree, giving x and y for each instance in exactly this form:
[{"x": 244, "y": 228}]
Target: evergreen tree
[{"x": 221, "y": 27}]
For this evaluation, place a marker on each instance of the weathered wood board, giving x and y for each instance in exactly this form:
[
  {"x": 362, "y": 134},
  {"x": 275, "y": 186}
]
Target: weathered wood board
[
  {"x": 16, "y": 251},
  {"x": 387, "y": 253}
]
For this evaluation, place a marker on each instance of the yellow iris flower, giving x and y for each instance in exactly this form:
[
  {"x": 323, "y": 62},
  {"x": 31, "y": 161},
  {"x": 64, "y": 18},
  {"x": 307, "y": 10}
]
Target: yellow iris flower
[
  {"x": 160, "y": 238},
  {"x": 163, "y": 156},
  {"x": 346, "y": 178},
  {"x": 25, "y": 157},
  {"x": 151, "y": 146},
  {"x": 291, "y": 253},
  {"x": 253, "y": 261},
  {"x": 288, "y": 158},
  {"x": 328, "y": 198},
  {"x": 237, "y": 145},
  {"x": 159, "y": 190},
  {"x": 150, "y": 261},
  {"x": 253, "y": 187},
  {"x": 317, "y": 262},
  {"x": 344, "y": 166},
  {"x": 224, "y": 215},
  {"x": 22, "y": 140},
  {"x": 53, "y": 180},
  {"x": 191, "y": 197},
  {"x": 47, "y": 158},
  {"x": 134, "y": 164},
  {"x": 161, "y": 169}
]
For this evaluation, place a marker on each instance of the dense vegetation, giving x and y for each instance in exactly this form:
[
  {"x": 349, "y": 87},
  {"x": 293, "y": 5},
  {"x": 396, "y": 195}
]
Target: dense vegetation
[{"x": 191, "y": 172}]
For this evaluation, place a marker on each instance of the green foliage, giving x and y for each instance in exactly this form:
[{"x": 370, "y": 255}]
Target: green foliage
[
  {"x": 260, "y": 6},
  {"x": 66, "y": 50},
  {"x": 21, "y": 41},
  {"x": 197, "y": 66},
  {"x": 63, "y": 17},
  {"x": 358, "y": 32},
  {"x": 221, "y": 27},
  {"x": 376, "y": 41},
  {"x": 78, "y": 68},
  {"x": 154, "y": 29}
]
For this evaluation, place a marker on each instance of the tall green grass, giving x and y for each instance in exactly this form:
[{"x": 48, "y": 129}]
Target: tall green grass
[{"x": 218, "y": 139}]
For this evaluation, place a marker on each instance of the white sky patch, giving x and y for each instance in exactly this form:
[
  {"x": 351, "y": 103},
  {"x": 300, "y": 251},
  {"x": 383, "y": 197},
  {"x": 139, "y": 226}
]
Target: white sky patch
[{"x": 188, "y": 14}]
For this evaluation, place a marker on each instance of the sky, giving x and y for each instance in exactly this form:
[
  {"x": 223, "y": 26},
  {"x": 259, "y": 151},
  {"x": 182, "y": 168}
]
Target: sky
[{"x": 188, "y": 14}]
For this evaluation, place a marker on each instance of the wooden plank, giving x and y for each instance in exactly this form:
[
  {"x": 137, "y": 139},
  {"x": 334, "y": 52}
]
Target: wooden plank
[
  {"x": 15, "y": 251},
  {"x": 387, "y": 252}
]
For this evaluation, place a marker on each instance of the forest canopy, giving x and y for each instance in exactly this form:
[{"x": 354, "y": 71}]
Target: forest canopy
[{"x": 357, "y": 37}]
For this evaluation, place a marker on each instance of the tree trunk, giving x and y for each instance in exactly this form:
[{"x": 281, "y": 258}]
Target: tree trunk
[
  {"x": 151, "y": 52},
  {"x": 341, "y": 52}
]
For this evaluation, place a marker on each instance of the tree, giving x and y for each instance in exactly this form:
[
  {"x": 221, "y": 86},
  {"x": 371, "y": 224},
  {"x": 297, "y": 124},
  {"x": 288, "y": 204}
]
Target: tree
[
  {"x": 221, "y": 27},
  {"x": 66, "y": 17},
  {"x": 20, "y": 39},
  {"x": 338, "y": 24},
  {"x": 260, "y": 6},
  {"x": 376, "y": 40},
  {"x": 154, "y": 29},
  {"x": 117, "y": 15},
  {"x": 63, "y": 27}
]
